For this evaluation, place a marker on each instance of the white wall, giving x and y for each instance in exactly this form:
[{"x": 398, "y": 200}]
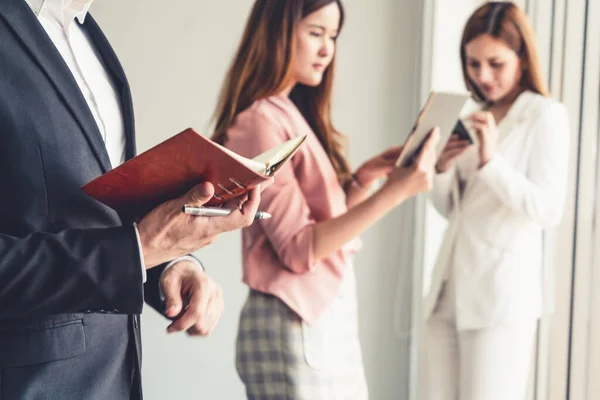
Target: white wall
[{"x": 176, "y": 54}]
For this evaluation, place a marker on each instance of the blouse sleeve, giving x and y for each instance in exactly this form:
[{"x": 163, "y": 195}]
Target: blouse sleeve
[{"x": 290, "y": 230}]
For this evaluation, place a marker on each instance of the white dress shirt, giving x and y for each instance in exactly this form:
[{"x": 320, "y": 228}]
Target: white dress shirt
[{"x": 59, "y": 19}]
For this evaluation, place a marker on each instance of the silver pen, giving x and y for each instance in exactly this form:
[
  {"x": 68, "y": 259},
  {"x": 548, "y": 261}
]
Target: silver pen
[{"x": 218, "y": 212}]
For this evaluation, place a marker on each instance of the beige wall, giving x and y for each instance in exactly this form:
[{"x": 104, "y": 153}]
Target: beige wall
[{"x": 175, "y": 54}]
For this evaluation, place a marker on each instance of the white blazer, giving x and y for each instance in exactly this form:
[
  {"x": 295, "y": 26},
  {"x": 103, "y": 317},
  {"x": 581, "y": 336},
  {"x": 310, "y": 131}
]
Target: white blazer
[{"x": 493, "y": 243}]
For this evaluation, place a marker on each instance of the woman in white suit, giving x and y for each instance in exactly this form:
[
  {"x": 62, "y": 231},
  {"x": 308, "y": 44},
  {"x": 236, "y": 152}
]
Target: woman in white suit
[{"x": 499, "y": 194}]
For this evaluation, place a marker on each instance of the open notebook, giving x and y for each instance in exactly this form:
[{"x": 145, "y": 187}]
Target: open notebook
[
  {"x": 174, "y": 166},
  {"x": 271, "y": 160}
]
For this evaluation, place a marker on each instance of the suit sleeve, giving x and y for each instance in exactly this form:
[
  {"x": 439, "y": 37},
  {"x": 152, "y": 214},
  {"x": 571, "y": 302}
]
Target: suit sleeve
[
  {"x": 79, "y": 270},
  {"x": 151, "y": 288},
  {"x": 540, "y": 194},
  {"x": 441, "y": 194}
]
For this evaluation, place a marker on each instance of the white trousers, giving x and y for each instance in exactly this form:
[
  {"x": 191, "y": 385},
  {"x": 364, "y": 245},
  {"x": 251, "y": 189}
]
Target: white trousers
[{"x": 483, "y": 364}]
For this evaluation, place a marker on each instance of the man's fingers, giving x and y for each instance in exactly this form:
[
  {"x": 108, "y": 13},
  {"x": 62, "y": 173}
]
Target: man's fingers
[
  {"x": 237, "y": 202},
  {"x": 208, "y": 321},
  {"x": 195, "y": 331},
  {"x": 217, "y": 311},
  {"x": 195, "y": 312},
  {"x": 243, "y": 216},
  {"x": 250, "y": 207},
  {"x": 207, "y": 325},
  {"x": 171, "y": 287}
]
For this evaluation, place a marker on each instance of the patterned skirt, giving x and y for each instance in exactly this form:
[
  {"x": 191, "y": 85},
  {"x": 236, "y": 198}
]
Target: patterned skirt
[{"x": 278, "y": 357}]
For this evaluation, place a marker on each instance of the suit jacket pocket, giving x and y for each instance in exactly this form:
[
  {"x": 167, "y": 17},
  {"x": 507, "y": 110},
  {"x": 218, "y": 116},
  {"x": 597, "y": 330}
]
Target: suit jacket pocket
[{"x": 27, "y": 347}]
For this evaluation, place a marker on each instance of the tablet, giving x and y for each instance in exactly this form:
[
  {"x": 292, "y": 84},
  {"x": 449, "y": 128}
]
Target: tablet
[{"x": 442, "y": 109}]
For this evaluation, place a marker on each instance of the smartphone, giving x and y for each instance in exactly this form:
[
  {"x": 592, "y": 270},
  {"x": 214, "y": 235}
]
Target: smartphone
[{"x": 461, "y": 131}]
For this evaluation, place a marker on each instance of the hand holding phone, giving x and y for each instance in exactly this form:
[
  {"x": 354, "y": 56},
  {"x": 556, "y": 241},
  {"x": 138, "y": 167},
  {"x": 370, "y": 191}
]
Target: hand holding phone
[
  {"x": 460, "y": 141},
  {"x": 460, "y": 130}
]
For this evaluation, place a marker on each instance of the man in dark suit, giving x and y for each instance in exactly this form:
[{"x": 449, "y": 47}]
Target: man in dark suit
[{"x": 72, "y": 271}]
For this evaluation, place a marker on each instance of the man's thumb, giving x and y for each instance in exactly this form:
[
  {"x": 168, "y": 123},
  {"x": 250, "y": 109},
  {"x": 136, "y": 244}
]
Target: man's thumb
[{"x": 199, "y": 194}]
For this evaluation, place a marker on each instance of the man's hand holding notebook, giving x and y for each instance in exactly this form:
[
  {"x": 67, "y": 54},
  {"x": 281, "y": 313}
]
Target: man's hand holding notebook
[{"x": 173, "y": 167}]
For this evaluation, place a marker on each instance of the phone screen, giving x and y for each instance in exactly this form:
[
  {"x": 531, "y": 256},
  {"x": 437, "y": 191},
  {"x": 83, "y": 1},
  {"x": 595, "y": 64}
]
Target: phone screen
[{"x": 461, "y": 131}]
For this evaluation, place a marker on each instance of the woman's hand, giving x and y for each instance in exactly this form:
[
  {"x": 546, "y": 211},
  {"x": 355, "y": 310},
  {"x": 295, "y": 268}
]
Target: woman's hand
[
  {"x": 484, "y": 124},
  {"x": 405, "y": 182},
  {"x": 454, "y": 148},
  {"x": 377, "y": 167}
]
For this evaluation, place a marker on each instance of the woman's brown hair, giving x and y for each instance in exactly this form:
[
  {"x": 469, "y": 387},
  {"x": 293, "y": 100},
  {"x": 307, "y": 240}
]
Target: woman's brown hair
[
  {"x": 507, "y": 22},
  {"x": 262, "y": 67}
]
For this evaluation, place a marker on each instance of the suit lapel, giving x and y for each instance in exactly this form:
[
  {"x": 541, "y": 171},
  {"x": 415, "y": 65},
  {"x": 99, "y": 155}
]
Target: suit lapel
[
  {"x": 518, "y": 113},
  {"x": 115, "y": 70},
  {"x": 19, "y": 17}
]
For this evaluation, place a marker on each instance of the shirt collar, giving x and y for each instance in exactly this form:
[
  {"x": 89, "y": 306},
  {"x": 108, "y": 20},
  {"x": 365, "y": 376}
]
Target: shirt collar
[{"x": 69, "y": 8}]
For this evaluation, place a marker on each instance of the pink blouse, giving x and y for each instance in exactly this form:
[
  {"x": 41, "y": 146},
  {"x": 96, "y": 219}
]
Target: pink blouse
[{"x": 277, "y": 252}]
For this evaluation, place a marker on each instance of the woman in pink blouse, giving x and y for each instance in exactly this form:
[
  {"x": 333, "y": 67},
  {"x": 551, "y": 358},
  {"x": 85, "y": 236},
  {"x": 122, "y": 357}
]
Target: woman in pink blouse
[{"x": 298, "y": 333}]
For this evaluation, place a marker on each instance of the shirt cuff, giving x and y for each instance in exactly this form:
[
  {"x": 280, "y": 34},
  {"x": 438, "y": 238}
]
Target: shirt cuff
[
  {"x": 184, "y": 258},
  {"x": 139, "y": 242}
]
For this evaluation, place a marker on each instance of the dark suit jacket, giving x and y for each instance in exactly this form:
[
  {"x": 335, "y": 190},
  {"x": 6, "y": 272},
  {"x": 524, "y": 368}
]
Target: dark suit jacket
[{"x": 70, "y": 270}]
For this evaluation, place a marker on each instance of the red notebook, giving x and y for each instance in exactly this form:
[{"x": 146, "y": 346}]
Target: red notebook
[{"x": 173, "y": 167}]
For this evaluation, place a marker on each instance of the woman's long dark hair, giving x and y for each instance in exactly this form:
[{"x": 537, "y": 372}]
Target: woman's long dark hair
[{"x": 262, "y": 67}]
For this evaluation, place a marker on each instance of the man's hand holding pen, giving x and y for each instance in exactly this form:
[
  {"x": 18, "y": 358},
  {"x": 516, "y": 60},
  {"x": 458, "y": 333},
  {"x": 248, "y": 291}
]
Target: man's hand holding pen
[
  {"x": 218, "y": 212},
  {"x": 167, "y": 233}
]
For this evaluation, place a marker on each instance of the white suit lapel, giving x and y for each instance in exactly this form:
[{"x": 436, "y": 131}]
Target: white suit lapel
[{"x": 519, "y": 113}]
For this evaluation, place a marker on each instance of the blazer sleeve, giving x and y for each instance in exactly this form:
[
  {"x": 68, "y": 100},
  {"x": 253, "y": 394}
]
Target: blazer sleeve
[
  {"x": 78, "y": 270},
  {"x": 539, "y": 194},
  {"x": 152, "y": 288},
  {"x": 290, "y": 230}
]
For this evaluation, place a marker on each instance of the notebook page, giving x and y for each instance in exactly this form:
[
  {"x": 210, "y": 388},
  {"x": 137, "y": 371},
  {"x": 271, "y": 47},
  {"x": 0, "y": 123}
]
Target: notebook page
[{"x": 277, "y": 155}]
